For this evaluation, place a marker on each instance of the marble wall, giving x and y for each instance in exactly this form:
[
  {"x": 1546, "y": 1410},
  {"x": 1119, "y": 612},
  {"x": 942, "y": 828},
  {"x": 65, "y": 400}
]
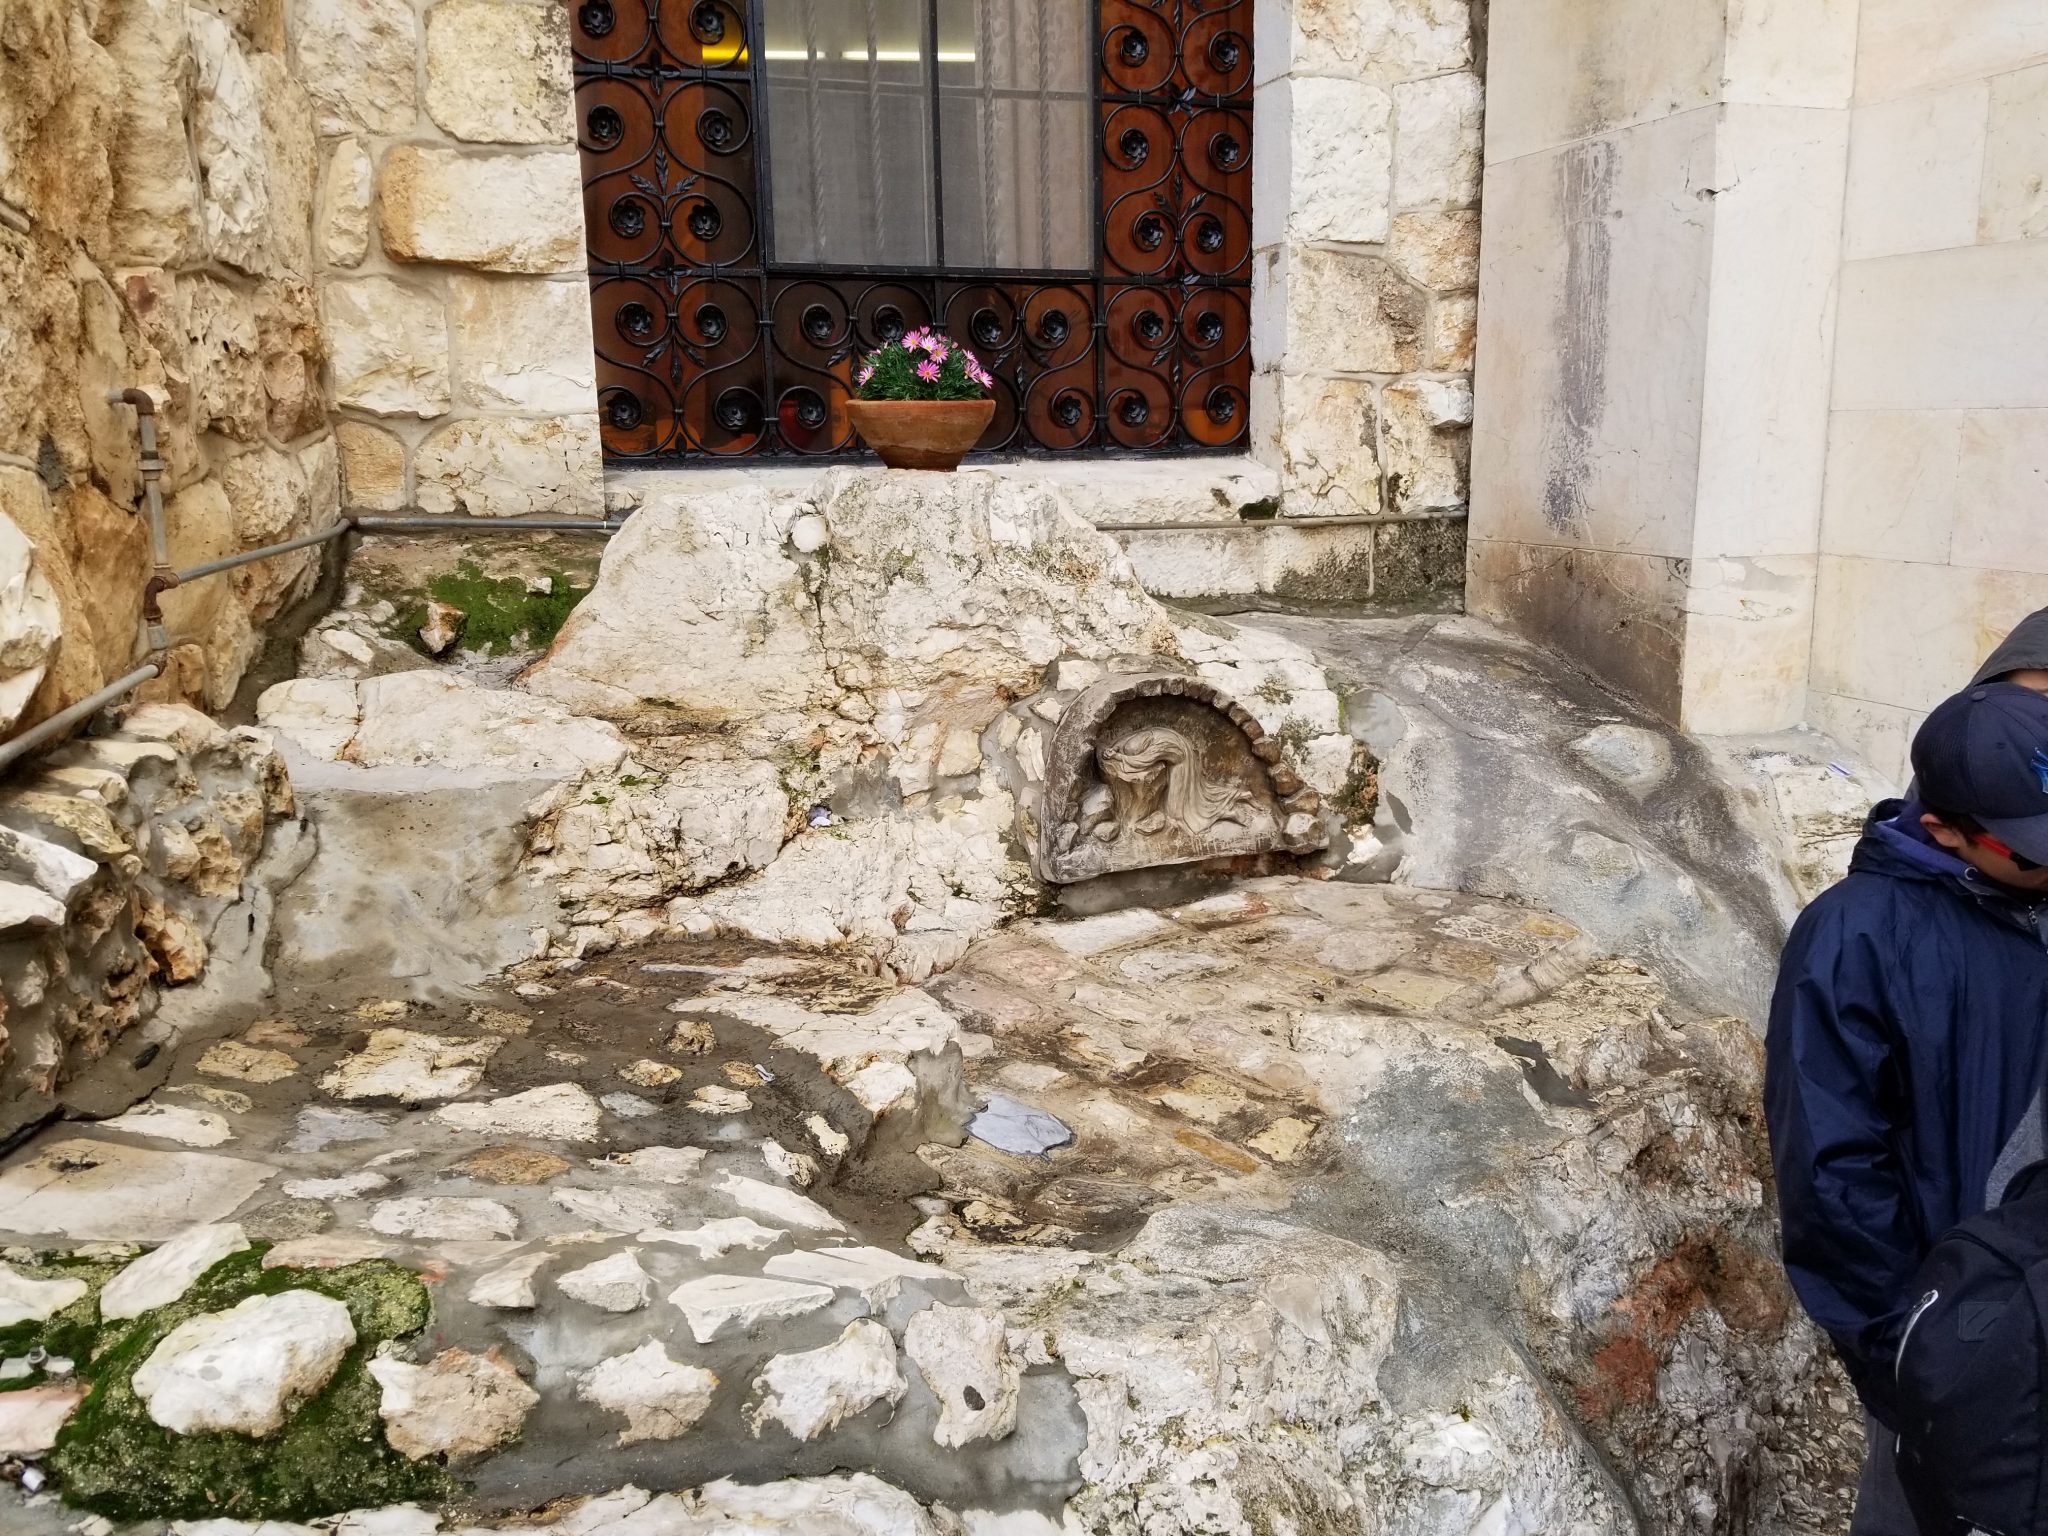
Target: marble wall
[{"x": 1934, "y": 526}]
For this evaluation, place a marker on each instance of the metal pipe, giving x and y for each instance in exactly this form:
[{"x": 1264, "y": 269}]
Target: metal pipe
[
  {"x": 486, "y": 524},
  {"x": 47, "y": 730},
  {"x": 162, "y": 577},
  {"x": 250, "y": 555}
]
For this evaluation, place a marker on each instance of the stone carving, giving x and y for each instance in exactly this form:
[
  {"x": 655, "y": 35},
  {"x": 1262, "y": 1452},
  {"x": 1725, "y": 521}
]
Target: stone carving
[{"x": 1162, "y": 769}]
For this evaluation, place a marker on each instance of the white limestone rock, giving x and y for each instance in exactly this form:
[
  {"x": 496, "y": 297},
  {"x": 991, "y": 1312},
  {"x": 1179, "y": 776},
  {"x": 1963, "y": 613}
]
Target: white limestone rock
[
  {"x": 510, "y": 1287},
  {"x": 23, "y": 907},
  {"x": 1439, "y": 123},
  {"x": 874, "y": 1274},
  {"x": 174, "y": 1122},
  {"x": 113, "y": 1191},
  {"x": 715, "y": 1239},
  {"x": 246, "y": 1369},
  {"x": 387, "y": 346},
  {"x": 443, "y": 1216},
  {"x": 498, "y": 73},
  {"x": 964, "y": 1355},
  {"x": 434, "y": 719},
  {"x": 345, "y": 200},
  {"x": 617, "y": 1210},
  {"x": 357, "y": 58},
  {"x": 815, "y": 1390},
  {"x": 246, "y": 1063},
  {"x": 502, "y": 466},
  {"x": 30, "y": 622},
  {"x": 50, "y": 867},
  {"x": 615, "y": 1283},
  {"x": 502, "y": 212},
  {"x": 25, "y": 1299},
  {"x": 654, "y": 1165},
  {"x": 714, "y": 1304},
  {"x": 347, "y": 1186},
  {"x": 660, "y": 1398},
  {"x": 411, "y": 1068},
  {"x": 319, "y": 714},
  {"x": 1340, "y": 154},
  {"x": 523, "y": 343},
  {"x": 555, "y": 1112},
  {"x": 164, "y": 1274},
  {"x": 858, "y": 1505},
  {"x": 457, "y": 1405},
  {"x": 777, "y": 1203},
  {"x": 31, "y": 1417}
]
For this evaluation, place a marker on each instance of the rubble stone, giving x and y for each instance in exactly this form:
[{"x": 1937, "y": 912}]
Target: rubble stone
[
  {"x": 164, "y": 1274},
  {"x": 816, "y": 1390},
  {"x": 964, "y": 1355},
  {"x": 502, "y": 213},
  {"x": 457, "y": 1405},
  {"x": 498, "y": 73},
  {"x": 660, "y": 1398},
  {"x": 246, "y": 1369}
]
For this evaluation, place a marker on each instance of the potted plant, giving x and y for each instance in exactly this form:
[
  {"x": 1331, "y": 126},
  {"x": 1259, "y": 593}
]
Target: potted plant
[{"x": 921, "y": 401}]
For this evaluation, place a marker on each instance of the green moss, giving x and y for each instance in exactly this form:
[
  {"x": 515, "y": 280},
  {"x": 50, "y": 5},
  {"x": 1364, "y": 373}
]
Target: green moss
[
  {"x": 499, "y": 614},
  {"x": 114, "y": 1460},
  {"x": 69, "y": 1333}
]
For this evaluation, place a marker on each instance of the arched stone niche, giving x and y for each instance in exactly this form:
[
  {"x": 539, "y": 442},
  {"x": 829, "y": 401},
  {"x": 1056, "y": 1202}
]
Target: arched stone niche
[{"x": 1156, "y": 768}]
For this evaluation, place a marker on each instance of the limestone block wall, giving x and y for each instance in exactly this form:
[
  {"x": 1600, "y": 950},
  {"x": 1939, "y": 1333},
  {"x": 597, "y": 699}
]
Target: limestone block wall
[
  {"x": 1934, "y": 527},
  {"x": 157, "y": 179},
  {"x": 449, "y": 252},
  {"x": 1365, "y": 214},
  {"x": 1663, "y": 203}
]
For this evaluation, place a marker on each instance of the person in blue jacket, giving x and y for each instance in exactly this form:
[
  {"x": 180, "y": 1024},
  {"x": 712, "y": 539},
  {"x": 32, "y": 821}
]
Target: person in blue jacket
[{"x": 1907, "y": 1038}]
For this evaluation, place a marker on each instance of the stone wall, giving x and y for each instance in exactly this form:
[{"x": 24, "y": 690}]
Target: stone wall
[
  {"x": 449, "y": 248},
  {"x": 1938, "y": 433},
  {"x": 1365, "y": 216},
  {"x": 157, "y": 169}
]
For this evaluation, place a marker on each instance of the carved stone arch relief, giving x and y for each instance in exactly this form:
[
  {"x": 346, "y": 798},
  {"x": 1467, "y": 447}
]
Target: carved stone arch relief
[{"x": 1156, "y": 768}]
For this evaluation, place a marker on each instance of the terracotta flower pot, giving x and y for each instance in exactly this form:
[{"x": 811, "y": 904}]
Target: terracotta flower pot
[{"x": 921, "y": 434}]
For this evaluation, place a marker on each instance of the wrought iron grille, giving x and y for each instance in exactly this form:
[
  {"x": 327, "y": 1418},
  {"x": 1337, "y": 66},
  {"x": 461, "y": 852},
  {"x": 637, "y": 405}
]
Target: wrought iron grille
[{"x": 709, "y": 348}]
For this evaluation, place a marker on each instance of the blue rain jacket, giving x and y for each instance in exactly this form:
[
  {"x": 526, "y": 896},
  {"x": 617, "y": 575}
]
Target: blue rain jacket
[{"x": 1906, "y": 1041}]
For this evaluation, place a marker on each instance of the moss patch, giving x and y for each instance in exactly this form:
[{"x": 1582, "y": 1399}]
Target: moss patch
[
  {"x": 69, "y": 1333},
  {"x": 499, "y": 613},
  {"x": 114, "y": 1460}
]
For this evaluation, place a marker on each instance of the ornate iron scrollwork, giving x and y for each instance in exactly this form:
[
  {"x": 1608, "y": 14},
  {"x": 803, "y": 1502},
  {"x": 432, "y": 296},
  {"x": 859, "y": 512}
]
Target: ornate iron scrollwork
[{"x": 706, "y": 348}]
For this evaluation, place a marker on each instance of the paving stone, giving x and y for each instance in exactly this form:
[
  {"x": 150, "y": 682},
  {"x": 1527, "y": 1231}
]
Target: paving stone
[
  {"x": 964, "y": 1355},
  {"x": 320, "y": 1127},
  {"x": 831, "y": 1141},
  {"x": 511, "y": 1288},
  {"x": 776, "y": 1203},
  {"x": 512, "y": 1165},
  {"x": 660, "y": 1165},
  {"x": 715, "y": 1239},
  {"x": 715, "y": 1099},
  {"x": 457, "y": 1405},
  {"x": 715, "y": 1304},
  {"x": 173, "y": 1122},
  {"x": 659, "y": 1397},
  {"x": 628, "y": 1106},
  {"x": 26, "y": 1299},
  {"x": 617, "y": 1210},
  {"x": 31, "y": 1416},
  {"x": 246, "y": 1369},
  {"x": 615, "y": 1283},
  {"x": 557, "y": 1112},
  {"x": 347, "y": 1186},
  {"x": 875, "y": 1274},
  {"x": 161, "y": 1276},
  {"x": 443, "y": 1216},
  {"x": 798, "y": 1167},
  {"x": 246, "y": 1063},
  {"x": 109, "y": 1190},
  {"x": 650, "y": 1074},
  {"x": 816, "y": 1390},
  {"x": 692, "y": 1037},
  {"x": 334, "y": 1250},
  {"x": 411, "y": 1068}
]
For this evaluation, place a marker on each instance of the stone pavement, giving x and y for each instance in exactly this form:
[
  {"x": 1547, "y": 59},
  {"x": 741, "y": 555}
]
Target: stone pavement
[{"x": 1356, "y": 1203}]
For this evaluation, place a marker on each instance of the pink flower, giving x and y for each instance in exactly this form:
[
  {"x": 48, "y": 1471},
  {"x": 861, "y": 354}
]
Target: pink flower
[
  {"x": 867, "y": 372},
  {"x": 928, "y": 371}
]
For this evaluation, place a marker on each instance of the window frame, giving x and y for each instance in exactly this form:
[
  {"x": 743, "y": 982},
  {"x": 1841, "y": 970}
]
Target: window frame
[{"x": 1057, "y": 394}]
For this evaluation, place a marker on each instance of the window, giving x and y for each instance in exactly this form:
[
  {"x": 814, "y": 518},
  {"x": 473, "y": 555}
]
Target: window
[{"x": 773, "y": 188}]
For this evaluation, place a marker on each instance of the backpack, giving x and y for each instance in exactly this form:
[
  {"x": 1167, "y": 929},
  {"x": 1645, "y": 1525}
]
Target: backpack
[{"x": 1972, "y": 1363}]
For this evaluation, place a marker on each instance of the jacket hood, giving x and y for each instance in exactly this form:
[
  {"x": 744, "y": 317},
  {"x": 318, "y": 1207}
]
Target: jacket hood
[
  {"x": 1895, "y": 844},
  {"x": 2026, "y": 646}
]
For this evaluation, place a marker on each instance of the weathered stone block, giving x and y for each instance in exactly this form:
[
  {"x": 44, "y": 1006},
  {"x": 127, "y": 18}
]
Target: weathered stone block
[
  {"x": 156, "y": 195},
  {"x": 57, "y": 117},
  {"x": 1341, "y": 146},
  {"x": 71, "y": 670},
  {"x": 523, "y": 343},
  {"x": 267, "y": 491},
  {"x": 505, "y": 213},
  {"x": 1349, "y": 314},
  {"x": 1439, "y": 123},
  {"x": 291, "y": 349},
  {"x": 1454, "y": 331},
  {"x": 498, "y": 72},
  {"x": 1437, "y": 250},
  {"x": 372, "y": 467},
  {"x": 506, "y": 467},
  {"x": 389, "y": 345},
  {"x": 358, "y": 59},
  {"x": 1327, "y": 439},
  {"x": 345, "y": 195},
  {"x": 1385, "y": 40},
  {"x": 1428, "y": 426},
  {"x": 253, "y": 137},
  {"x": 31, "y": 624},
  {"x": 2015, "y": 195},
  {"x": 1419, "y": 560},
  {"x": 199, "y": 524},
  {"x": 108, "y": 548}
]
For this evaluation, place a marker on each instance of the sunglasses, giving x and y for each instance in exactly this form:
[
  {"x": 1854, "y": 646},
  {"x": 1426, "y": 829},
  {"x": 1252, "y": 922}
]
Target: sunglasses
[{"x": 2020, "y": 861}]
